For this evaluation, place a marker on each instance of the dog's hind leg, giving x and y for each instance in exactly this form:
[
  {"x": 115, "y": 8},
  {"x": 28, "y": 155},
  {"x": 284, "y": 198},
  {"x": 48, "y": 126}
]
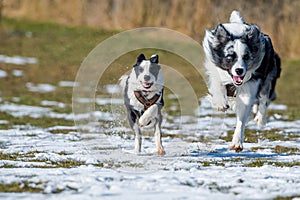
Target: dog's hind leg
[
  {"x": 267, "y": 92},
  {"x": 245, "y": 100},
  {"x": 260, "y": 117},
  {"x": 265, "y": 96}
]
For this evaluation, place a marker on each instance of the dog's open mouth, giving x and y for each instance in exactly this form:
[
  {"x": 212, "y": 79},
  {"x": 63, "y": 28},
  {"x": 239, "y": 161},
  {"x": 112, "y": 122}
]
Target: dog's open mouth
[
  {"x": 147, "y": 85},
  {"x": 238, "y": 80}
]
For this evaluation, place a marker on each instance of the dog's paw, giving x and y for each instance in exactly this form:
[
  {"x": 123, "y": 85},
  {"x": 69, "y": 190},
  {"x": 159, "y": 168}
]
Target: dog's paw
[
  {"x": 219, "y": 104},
  {"x": 222, "y": 108},
  {"x": 149, "y": 116},
  {"x": 144, "y": 120},
  {"x": 161, "y": 152},
  {"x": 237, "y": 148},
  {"x": 260, "y": 119}
]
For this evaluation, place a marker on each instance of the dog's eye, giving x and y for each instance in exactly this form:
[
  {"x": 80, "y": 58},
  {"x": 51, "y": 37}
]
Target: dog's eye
[
  {"x": 154, "y": 69},
  {"x": 141, "y": 69},
  {"x": 229, "y": 59},
  {"x": 246, "y": 57}
]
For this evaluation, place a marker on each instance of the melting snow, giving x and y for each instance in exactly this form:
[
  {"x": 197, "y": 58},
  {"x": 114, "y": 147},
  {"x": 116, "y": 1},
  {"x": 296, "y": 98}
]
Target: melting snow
[
  {"x": 273, "y": 106},
  {"x": 42, "y": 87},
  {"x": 3, "y": 74},
  {"x": 53, "y": 103},
  {"x": 18, "y": 60},
  {"x": 110, "y": 169},
  {"x": 17, "y": 72},
  {"x": 67, "y": 84},
  {"x": 113, "y": 89}
]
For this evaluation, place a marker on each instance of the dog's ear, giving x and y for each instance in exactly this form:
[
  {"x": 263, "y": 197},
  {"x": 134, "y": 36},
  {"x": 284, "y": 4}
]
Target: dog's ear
[
  {"x": 253, "y": 36},
  {"x": 154, "y": 58},
  {"x": 139, "y": 59},
  {"x": 252, "y": 33},
  {"x": 236, "y": 17},
  {"x": 221, "y": 35}
]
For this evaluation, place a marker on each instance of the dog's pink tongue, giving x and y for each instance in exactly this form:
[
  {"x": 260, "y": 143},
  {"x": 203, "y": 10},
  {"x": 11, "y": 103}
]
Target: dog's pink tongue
[
  {"x": 238, "y": 79},
  {"x": 146, "y": 84}
]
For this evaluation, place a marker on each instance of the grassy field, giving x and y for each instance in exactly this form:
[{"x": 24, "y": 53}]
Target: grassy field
[{"x": 60, "y": 51}]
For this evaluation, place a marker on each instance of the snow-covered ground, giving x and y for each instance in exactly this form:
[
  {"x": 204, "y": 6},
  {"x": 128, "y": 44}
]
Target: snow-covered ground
[{"x": 63, "y": 163}]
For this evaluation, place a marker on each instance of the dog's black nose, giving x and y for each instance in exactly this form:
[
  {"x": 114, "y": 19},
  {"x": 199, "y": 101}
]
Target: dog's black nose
[
  {"x": 146, "y": 77},
  {"x": 239, "y": 71}
]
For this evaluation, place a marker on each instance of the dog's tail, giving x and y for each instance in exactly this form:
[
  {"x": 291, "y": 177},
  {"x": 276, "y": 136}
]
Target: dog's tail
[
  {"x": 123, "y": 81},
  {"x": 236, "y": 17}
]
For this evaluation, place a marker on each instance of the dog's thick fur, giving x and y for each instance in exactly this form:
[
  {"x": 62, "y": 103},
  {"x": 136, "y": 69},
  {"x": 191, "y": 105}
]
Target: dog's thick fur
[
  {"x": 242, "y": 70},
  {"x": 143, "y": 98}
]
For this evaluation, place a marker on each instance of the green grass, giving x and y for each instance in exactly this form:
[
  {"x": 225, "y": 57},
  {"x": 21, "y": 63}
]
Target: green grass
[
  {"x": 258, "y": 162},
  {"x": 43, "y": 122},
  {"x": 288, "y": 87},
  {"x": 29, "y": 157},
  {"x": 253, "y": 136},
  {"x": 59, "y": 50},
  {"x": 20, "y": 187},
  {"x": 280, "y": 149},
  {"x": 287, "y": 198}
]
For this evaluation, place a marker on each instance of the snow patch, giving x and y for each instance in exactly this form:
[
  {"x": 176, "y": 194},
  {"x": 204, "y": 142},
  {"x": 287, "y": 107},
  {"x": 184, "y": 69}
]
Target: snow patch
[
  {"x": 53, "y": 103},
  {"x": 113, "y": 89},
  {"x": 3, "y": 74},
  {"x": 18, "y": 60},
  {"x": 68, "y": 84},
  {"x": 17, "y": 72},
  {"x": 41, "y": 87}
]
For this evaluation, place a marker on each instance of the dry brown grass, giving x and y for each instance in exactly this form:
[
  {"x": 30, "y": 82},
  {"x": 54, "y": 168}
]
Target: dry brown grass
[{"x": 278, "y": 18}]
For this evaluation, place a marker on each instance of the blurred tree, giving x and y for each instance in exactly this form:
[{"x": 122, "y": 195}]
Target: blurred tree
[{"x": 1, "y": 7}]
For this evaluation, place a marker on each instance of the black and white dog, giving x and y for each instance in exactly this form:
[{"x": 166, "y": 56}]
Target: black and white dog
[
  {"x": 242, "y": 70},
  {"x": 143, "y": 98}
]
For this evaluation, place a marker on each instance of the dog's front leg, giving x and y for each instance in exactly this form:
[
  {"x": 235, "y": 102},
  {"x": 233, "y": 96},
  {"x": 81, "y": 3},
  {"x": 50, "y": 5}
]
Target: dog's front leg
[
  {"x": 218, "y": 93},
  {"x": 138, "y": 138},
  {"x": 244, "y": 101},
  {"x": 150, "y": 114},
  {"x": 158, "y": 135},
  {"x": 133, "y": 117}
]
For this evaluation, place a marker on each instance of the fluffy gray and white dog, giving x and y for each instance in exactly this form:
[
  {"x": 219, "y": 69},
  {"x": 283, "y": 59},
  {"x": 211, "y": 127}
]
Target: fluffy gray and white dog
[
  {"x": 143, "y": 98},
  {"x": 242, "y": 70}
]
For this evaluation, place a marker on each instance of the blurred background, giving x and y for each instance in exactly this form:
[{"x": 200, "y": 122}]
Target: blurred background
[{"x": 280, "y": 19}]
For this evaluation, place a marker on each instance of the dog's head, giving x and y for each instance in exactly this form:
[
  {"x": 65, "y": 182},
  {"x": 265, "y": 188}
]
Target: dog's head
[
  {"x": 237, "y": 48},
  {"x": 148, "y": 73}
]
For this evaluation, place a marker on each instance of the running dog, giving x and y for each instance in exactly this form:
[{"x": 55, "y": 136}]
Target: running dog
[
  {"x": 143, "y": 98},
  {"x": 242, "y": 69}
]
